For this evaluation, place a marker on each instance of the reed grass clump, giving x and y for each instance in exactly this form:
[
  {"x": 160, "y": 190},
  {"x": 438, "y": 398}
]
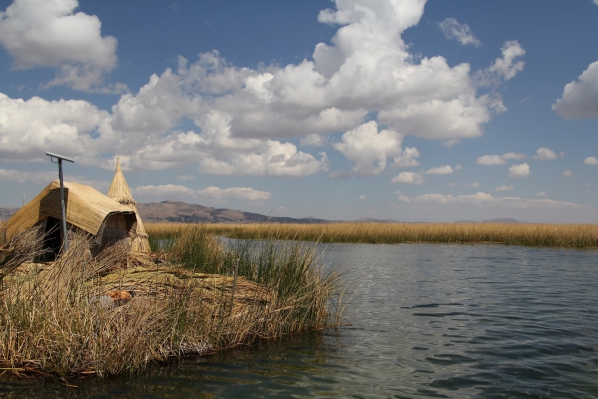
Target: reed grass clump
[
  {"x": 548, "y": 235},
  {"x": 294, "y": 271},
  {"x": 61, "y": 318}
]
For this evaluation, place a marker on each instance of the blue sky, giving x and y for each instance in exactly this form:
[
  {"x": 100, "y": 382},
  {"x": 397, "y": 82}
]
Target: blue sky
[{"x": 406, "y": 110}]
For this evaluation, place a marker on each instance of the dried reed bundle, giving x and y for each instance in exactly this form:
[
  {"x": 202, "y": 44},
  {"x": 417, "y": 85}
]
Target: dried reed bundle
[{"x": 158, "y": 283}]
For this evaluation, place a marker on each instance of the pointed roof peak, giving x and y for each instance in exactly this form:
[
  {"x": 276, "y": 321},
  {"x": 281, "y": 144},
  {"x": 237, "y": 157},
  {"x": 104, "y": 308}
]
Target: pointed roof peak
[{"x": 119, "y": 189}]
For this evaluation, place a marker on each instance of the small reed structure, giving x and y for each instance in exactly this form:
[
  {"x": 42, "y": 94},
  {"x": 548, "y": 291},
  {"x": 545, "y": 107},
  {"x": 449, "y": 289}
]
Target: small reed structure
[
  {"x": 120, "y": 192},
  {"x": 87, "y": 210}
]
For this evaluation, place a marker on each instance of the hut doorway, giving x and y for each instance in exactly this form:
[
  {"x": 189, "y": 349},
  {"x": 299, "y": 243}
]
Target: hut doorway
[{"x": 52, "y": 239}]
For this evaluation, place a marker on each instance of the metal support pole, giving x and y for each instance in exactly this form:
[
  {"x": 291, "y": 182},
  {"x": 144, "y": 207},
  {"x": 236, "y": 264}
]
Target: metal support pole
[
  {"x": 63, "y": 206},
  {"x": 60, "y": 158}
]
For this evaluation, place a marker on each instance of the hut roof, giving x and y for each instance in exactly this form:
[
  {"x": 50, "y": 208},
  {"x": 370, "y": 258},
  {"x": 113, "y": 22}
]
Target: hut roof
[
  {"x": 119, "y": 189},
  {"x": 86, "y": 208}
]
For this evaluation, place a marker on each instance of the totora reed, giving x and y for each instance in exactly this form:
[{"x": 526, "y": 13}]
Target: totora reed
[
  {"x": 550, "y": 235},
  {"x": 118, "y": 312}
]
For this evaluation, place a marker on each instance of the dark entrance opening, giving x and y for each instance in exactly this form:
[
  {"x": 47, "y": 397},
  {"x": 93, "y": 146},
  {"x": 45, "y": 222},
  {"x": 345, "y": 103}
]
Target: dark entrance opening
[{"x": 52, "y": 239}]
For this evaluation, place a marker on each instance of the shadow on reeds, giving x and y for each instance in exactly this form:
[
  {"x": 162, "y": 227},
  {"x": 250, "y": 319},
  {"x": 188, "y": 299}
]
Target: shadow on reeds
[{"x": 54, "y": 319}]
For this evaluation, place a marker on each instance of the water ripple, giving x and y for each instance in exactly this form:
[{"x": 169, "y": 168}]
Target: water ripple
[{"x": 428, "y": 321}]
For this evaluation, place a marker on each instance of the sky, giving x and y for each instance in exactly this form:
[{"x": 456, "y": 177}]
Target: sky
[{"x": 393, "y": 109}]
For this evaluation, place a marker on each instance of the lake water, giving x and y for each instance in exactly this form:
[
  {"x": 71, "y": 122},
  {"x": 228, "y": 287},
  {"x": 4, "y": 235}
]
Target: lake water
[{"x": 428, "y": 321}]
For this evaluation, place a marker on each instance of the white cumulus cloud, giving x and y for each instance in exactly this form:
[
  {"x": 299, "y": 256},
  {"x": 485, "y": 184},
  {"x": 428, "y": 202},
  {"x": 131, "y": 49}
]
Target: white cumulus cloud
[
  {"x": 513, "y": 155},
  {"x": 545, "y": 154},
  {"x": 50, "y": 34},
  {"x": 174, "y": 191},
  {"x": 369, "y": 149},
  {"x": 441, "y": 170},
  {"x": 504, "y": 68},
  {"x": 243, "y": 118},
  {"x": 580, "y": 98},
  {"x": 519, "y": 170},
  {"x": 451, "y": 142},
  {"x": 591, "y": 161},
  {"x": 491, "y": 160},
  {"x": 235, "y": 193},
  {"x": 270, "y": 158},
  {"x": 407, "y": 158},
  {"x": 408, "y": 178},
  {"x": 504, "y": 188},
  {"x": 499, "y": 159},
  {"x": 366, "y": 68},
  {"x": 30, "y": 128},
  {"x": 567, "y": 173},
  {"x": 452, "y": 29}
]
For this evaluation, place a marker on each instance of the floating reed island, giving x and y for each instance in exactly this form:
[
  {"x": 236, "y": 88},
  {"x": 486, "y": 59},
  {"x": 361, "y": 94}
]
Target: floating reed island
[
  {"x": 108, "y": 305},
  {"x": 539, "y": 235},
  {"x": 117, "y": 312}
]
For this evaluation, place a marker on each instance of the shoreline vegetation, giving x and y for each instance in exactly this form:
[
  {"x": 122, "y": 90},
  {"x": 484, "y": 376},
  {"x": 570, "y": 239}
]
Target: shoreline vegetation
[
  {"x": 538, "y": 235},
  {"x": 118, "y": 312}
]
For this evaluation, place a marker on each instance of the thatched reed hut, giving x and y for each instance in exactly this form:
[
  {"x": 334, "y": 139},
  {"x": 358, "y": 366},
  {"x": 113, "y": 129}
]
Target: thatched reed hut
[
  {"x": 119, "y": 191},
  {"x": 86, "y": 209}
]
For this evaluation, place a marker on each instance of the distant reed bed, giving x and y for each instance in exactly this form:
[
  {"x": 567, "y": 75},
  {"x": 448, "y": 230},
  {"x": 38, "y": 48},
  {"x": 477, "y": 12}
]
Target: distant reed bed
[{"x": 548, "y": 235}]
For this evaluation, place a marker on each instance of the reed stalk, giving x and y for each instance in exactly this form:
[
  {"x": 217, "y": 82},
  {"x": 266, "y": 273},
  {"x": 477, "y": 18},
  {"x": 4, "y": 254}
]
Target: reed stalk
[{"x": 544, "y": 235}]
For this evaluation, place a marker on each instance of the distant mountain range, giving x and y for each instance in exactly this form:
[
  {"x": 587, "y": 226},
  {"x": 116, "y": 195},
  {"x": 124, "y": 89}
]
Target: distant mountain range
[
  {"x": 5, "y": 213},
  {"x": 174, "y": 211},
  {"x": 499, "y": 220},
  {"x": 181, "y": 212}
]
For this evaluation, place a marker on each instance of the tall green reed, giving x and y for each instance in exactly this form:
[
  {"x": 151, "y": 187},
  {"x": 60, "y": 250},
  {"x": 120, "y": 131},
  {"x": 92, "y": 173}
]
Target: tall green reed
[{"x": 294, "y": 270}]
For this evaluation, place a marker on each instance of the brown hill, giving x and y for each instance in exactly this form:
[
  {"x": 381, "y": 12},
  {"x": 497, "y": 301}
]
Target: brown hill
[
  {"x": 5, "y": 213},
  {"x": 503, "y": 220},
  {"x": 175, "y": 211},
  {"x": 498, "y": 220},
  {"x": 181, "y": 212}
]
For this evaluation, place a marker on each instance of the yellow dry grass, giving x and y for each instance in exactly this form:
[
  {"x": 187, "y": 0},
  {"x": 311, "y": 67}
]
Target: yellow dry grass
[
  {"x": 553, "y": 235},
  {"x": 60, "y": 318}
]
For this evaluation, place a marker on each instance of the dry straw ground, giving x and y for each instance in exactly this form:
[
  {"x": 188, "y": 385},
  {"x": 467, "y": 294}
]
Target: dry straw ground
[{"x": 56, "y": 318}]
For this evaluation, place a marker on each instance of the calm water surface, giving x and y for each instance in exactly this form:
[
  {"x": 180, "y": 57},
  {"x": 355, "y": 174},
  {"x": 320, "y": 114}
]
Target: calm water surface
[{"x": 428, "y": 321}]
